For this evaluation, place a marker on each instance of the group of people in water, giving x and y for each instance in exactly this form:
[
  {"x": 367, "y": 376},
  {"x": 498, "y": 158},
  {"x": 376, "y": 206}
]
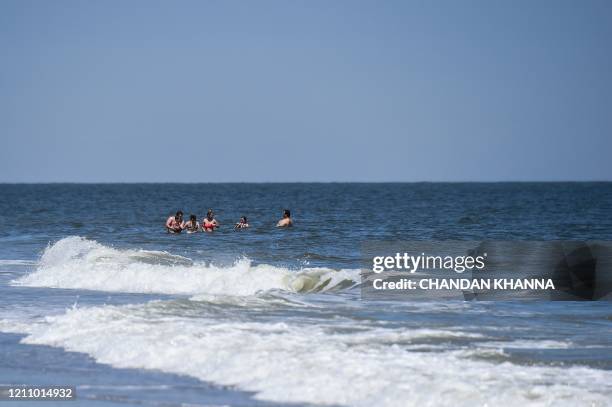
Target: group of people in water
[{"x": 176, "y": 224}]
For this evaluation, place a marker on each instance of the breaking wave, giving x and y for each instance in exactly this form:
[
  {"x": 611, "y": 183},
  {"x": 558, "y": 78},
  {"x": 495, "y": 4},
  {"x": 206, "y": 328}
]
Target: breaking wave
[{"x": 78, "y": 263}]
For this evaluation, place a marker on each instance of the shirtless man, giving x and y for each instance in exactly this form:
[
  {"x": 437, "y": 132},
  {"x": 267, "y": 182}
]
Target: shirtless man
[
  {"x": 175, "y": 223},
  {"x": 286, "y": 220}
]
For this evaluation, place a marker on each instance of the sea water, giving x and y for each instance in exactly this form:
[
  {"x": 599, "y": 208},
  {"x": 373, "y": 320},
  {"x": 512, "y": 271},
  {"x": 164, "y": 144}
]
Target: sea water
[{"x": 95, "y": 294}]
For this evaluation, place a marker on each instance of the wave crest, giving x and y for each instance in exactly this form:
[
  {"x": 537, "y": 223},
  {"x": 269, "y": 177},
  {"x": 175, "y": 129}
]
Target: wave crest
[{"x": 78, "y": 263}]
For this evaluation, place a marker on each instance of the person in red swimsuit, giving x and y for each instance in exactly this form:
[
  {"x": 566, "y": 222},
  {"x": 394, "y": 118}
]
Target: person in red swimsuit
[
  {"x": 209, "y": 223},
  {"x": 175, "y": 223}
]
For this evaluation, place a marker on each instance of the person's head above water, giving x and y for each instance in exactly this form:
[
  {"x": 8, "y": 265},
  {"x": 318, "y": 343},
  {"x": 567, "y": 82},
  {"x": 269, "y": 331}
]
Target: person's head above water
[
  {"x": 243, "y": 219},
  {"x": 210, "y": 215},
  {"x": 286, "y": 220},
  {"x": 179, "y": 215},
  {"x": 193, "y": 218}
]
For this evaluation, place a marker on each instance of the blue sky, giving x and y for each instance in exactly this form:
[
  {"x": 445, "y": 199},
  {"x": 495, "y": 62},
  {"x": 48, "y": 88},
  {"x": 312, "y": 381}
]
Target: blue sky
[{"x": 215, "y": 91}]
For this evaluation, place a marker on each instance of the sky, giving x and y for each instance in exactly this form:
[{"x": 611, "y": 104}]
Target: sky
[{"x": 305, "y": 91}]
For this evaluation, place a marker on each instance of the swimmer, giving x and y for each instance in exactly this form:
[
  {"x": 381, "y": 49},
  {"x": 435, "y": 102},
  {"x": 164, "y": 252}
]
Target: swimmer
[
  {"x": 175, "y": 223},
  {"x": 244, "y": 223},
  {"x": 192, "y": 225},
  {"x": 210, "y": 223},
  {"x": 286, "y": 220}
]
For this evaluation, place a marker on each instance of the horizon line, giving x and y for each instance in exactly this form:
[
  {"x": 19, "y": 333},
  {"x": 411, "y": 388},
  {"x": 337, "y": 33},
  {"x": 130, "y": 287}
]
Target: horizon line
[{"x": 296, "y": 182}]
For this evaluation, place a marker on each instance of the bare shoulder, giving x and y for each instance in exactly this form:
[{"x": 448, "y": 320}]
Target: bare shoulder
[{"x": 284, "y": 223}]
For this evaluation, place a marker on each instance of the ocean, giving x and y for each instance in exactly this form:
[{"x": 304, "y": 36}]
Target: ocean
[{"x": 95, "y": 294}]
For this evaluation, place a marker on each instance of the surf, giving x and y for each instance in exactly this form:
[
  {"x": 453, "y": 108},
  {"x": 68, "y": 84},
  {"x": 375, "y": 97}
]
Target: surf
[
  {"x": 345, "y": 362},
  {"x": 79, "y": 263}
]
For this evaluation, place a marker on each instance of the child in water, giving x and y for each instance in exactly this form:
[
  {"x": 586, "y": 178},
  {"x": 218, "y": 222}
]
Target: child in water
[
  {"x": 192, "y": 225},
  {"x": 244, "y": 223}
]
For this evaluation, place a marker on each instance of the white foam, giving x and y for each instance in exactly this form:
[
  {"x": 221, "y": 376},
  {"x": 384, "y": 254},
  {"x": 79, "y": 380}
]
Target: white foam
[
  {"x": 75, "y": 262},
  {"x": 15, "y": 326},
  {"x": 252, "y": 301},
  {"x": 17, "y": 262},
  {"x": 530, "y": 344},
  {"x": 355, "y": 364}
]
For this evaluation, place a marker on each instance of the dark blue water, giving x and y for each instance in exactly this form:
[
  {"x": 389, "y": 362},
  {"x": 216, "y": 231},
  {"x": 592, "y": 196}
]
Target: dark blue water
[
  {"x": 90, "y": 269},
  {"x": 331, "y": 219}
]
